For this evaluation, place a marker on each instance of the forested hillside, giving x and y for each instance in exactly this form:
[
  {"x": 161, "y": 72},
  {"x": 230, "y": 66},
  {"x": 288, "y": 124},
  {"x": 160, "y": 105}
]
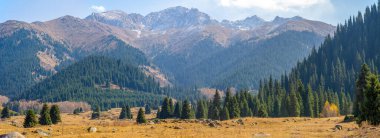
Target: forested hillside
[
  {"x": 330, "y": 73},
  {"x": 241, "y": 65},
  {"x": 96, "y": 77}
]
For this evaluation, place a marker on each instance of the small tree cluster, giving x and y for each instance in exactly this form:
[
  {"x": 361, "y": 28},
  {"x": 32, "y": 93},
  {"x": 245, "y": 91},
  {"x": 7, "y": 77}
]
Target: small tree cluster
[
  {"x": 47, "y": 116},
  {"x": 125, "y": 113},
  {"x": 171, "y": 110}
]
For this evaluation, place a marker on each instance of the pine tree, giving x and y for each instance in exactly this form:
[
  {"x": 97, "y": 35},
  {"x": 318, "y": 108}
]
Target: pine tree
[
  {"x": 171, "y": 107},
  {"x": 55, "y": 114},
  {"x": 148, "y": 109},
  {"x": 235, "y": 109},
  {"x": 294, "y": 107},
  {"x": 95, "y": 113},
  {"x": 370, "y": 109},
  {"x": 361, "y": 84},
  {"x": 177, "y": 110},
  {"x": 310, "y": 102},
  {"x": 245, "y": 110},
  {"x": 128, "y": 112},
  {"x": 201, "y": 110},
  {"x": 123, "y": 113},
  {"x": 45, "y": 116},
  {"x": 5, "y": 113},
  {"x": 186, "y": 110},
  {"x": 214, "y": 109},
  {"x": 224, "y": 114},
  {"x": 30, "y": 119},
  {"x": 316, "y": 105},
  {"x": 141, "y": 117},
  {"x": 277, "y": 107},
  {"x": 262, "y": 111},
  {"x": 165, "y": 109}
]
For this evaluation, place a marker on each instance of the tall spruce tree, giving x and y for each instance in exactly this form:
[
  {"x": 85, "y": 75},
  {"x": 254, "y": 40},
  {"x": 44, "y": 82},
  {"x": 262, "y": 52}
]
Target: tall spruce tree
[
  {"x": 128, "y": 112},
  {"x": 201, "y": 110},
  {"x": 224, "y": 114},
  {"x": 177, "y": 110},
  {"x": 361, "y": 84},
  {"x": 123, "y": 113},
  {"x": 5, "y": 113},
  {"x": 245, "y": 110},
  {"x": 55, "y": 114},
  {"x": 45, "y": 116},
  {"x": 310, "y": 102},
  {"x": 30, "y": 119},
  {"x": 171, "y": 107},
  {"x": 165, "y": 109},
  {"x": 186, "y": 110},
  {"x": 294, "y": 107},
  {"x": 370, "y": 109},
  {"x": 96, "y": 113},
  {"x": 141, "y": 117},
  {"x": 214, "y": 109},
  {"x": 148, "y": 109}
]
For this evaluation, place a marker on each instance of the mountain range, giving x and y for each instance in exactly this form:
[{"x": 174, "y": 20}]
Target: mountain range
[{"x": 176, "y": 46}]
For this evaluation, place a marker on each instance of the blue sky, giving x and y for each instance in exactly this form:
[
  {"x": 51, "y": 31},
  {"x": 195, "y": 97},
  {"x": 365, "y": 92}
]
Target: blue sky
[{"x": 330, "y": 11}]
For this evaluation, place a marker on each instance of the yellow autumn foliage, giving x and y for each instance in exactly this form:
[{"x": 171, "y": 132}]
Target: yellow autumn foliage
[{"x": 330, "y": 110}]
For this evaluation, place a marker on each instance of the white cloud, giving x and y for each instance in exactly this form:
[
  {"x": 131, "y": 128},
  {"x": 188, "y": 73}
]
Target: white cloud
[
  {"x": 98, "y": 8},
  {"x": 276, "y": 5}
]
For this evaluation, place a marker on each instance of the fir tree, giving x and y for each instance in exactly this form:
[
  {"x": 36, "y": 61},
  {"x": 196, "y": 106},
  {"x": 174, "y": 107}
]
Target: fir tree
[
  {"x": 235, "y": 109},
  {"x": 245, "y": 110},
  {"x": 128, "y": 112},
  {"x": 141, "y": 117},
  {"x": 165, "y": 109},
  {"x": 361, "y": 84},
  {"x": 30, "y": 119},
  {"x": 201, "y": 110},
  {"x": 171, "y": 107},
  {"x": 225, "y": 114},
  {"x": 123, "y": 113},
  {"x": 186, "y": 110},
  {"x": 5, "y": 113},
  {"x": 55, "y": 114},
  {"x": 214, "y": 109},
  {"x": 177, "y": 110},
  {"x": 148, "y": 109},
  {"x": 45, "y": 116},
  {"x": 310, "y": 102},
  {"x": 96, "y": 113},
  {"x": 370, "y": 109},
  {"x": 294, "y": 107},
  {"x": 262, "y": 111}
]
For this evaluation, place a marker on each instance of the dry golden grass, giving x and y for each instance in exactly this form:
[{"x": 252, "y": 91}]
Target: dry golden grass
[{"x": 75, "y": 126}]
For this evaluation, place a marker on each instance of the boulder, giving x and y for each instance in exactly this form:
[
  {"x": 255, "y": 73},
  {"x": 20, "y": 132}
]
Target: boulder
[
  {"x": 212, "y": 124},
  {"x": 12, "y": 135},
  {"x": 240, "y": 121},
  {"x": 261, "y": 134},
  {"x": 42, "y": 133},
  {"x": 92, "y": 129},
  {"x": 177, "y": 127},
  {"x": 338, "y": 127}
]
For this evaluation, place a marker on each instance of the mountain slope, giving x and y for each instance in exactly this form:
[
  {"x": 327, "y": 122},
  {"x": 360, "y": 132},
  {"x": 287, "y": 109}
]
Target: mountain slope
[
  {"x": 336, "y": 64},
  {"x": 94, "y": 77},
  {"x": 31, "y": 54}
]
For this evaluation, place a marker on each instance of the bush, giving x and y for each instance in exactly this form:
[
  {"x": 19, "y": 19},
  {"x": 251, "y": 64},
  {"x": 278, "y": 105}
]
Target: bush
[{"x": 330, "y": 110}]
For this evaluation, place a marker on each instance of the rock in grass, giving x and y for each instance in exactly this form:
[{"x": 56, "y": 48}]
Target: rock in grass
[{"x": 12, "y": 135}]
